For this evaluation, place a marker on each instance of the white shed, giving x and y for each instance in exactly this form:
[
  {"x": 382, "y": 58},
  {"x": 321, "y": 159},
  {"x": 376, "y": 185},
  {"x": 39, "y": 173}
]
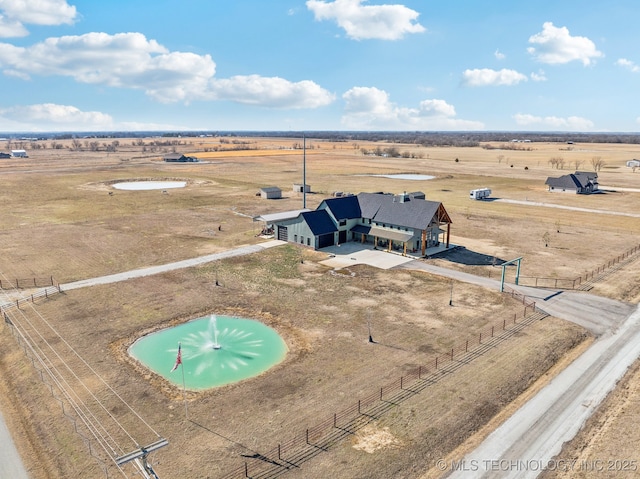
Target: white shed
[
  {"x": 270, "y": 192},
  {"x": 297, "y": 188},
  {"x": 19, "y": 153},
  {"x": 633, "y": 163}
]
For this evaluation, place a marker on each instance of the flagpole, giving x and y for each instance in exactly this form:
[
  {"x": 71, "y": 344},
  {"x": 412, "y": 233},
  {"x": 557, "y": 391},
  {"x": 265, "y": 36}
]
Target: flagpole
[{"x": 184, "y": 394}]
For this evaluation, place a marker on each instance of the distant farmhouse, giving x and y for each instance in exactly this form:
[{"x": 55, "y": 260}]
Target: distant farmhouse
[
  {"x": 19, "y": 153},
  {"x": 179, "y": 158},
  {"x": 580, "y": 182},
  {"x": 402, "y": 223}
]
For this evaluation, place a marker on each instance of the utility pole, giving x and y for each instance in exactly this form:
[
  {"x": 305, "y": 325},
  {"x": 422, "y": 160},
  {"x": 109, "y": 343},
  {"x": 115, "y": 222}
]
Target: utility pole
[{"x": 304, "y": 170}]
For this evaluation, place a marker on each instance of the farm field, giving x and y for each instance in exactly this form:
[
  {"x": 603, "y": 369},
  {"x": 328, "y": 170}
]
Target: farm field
[{"x": 61, "y": 217}]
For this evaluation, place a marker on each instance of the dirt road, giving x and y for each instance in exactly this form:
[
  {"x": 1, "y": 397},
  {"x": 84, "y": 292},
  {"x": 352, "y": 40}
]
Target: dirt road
[{"x": 524, "y": 445}]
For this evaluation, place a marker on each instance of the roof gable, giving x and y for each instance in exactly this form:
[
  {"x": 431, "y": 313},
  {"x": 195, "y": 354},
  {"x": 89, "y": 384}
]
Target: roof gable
[
  {"x": 411, "y": 212},
  {"x": 319, "y": 222},
  {"x": 344, "y": 208}
]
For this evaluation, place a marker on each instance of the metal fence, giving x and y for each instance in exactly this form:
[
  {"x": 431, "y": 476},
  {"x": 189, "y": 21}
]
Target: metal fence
[
  {"x": 578, "y": 282},
  {"x": 326, "y": 433},
  {"x": 43, "y": 293},
  {"x": 25, "y": 283}
]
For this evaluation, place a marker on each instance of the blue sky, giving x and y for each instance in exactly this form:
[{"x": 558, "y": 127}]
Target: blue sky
[{"x": 282, "y": 65}]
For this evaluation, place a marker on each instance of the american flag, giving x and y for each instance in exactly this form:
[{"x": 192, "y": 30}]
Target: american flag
[{"x": 178, "y": 358}]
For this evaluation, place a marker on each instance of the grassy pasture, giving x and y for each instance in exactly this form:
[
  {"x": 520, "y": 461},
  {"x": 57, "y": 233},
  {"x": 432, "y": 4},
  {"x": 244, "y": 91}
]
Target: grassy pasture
[{"x": 59, "y": 219}]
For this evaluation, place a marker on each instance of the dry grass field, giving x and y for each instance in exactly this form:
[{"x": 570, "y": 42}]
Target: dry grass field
[{"x": 61, "y": 217}]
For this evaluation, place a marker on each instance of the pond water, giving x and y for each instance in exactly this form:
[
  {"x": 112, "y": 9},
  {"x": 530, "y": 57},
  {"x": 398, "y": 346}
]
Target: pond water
[
  {"x": 406, "y": 176},
  {"x": 148, "y": 185},
  {"x": 215, "y": 350}
]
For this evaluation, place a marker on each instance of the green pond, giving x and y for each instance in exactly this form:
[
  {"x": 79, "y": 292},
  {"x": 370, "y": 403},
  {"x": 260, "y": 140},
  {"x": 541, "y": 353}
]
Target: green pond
[{"x": 215, "y": 350}]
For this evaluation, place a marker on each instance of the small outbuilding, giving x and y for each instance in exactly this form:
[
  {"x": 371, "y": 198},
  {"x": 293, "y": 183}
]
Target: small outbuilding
[
  {"x": 633, "y": 163},
  {"x": 298, "y": 188},
  {"x": 270, "y": 193},
  {"x": 19, "y": 153}
]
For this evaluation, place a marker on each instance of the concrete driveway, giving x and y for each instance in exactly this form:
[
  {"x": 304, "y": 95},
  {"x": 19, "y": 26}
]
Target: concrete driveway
[{"x": 349, "y": 254}]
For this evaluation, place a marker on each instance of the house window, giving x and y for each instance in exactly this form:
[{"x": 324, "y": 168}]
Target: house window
[
  {"x": 301, "y": 239},
  {"x": 308, "y": 241},
  {"x": 295, "y": 238},
  {"x": 343, "y": 222},
  {"x": 369, "y": 220}
]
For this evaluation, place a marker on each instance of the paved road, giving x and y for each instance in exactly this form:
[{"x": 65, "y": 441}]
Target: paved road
[
  {"x": 597, "y": 314},
  {"x": 11, "y": 466},
  {"x": 524, "y": 444},
  {"x": 528, "y": 440}
]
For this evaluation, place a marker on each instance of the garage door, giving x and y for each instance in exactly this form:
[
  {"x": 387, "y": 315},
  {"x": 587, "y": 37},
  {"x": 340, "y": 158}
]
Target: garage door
[
  {"x": 283, "y": 234},
  {"x": 325, "y": 240}
]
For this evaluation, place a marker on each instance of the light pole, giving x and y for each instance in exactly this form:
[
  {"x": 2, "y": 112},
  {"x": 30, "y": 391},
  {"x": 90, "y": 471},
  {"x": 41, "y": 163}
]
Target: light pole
[
  {"x": 369, "y": 326},
  {"x": 451, "y": 294}
]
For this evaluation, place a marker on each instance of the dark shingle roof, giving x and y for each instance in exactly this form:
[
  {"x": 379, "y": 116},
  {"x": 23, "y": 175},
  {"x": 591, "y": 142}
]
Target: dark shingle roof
[
  {"x": 344, "y": 208},
  {"x": 319, "y": 222},
  {"x": 565, "y": 181},
  {"x": 412, "y": 213}
]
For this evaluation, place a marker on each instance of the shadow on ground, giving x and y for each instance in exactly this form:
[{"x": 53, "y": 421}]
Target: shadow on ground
[{"x": 464, "y": 256}]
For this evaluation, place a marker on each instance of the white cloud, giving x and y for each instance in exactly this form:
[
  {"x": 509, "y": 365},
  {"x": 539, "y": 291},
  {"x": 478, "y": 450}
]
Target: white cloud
[
  {"x": 628, "y": 64},
  {"x": 574, "y": 123},
  {"x": 15, "y": 13},
  {"x": 539, "y": 76},
  {"x": 11, "y": 28},
  {"x": 129, "y": 60},
  {"x": 271, "y": 92},
  {"x": 55, "y": 117},
  {"x": 364, "y": 22},
  {"x": 489, "y": 77},
  {"x": 555, "y": 45},
  {"x": 499, "y": 55},
  {"x": 371, "y": 108}
]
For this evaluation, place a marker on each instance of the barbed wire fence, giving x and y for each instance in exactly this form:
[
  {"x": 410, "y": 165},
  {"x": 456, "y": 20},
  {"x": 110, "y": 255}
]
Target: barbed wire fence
[
  {"x": 320, "y": 437},
  {"x": 84, "y": 397}
]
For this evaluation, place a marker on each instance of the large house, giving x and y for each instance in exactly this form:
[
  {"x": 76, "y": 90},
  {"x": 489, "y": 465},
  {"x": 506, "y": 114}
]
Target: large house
[
  {"x": 580, "y": 182},
  {"x": 394, "y": 222}
]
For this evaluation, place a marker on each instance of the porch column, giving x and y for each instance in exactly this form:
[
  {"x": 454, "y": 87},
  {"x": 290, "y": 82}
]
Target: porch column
[
  {"x": 404, "y": 249},
  {"x": 448, "y": 233},
  {"x": 424, "y": 242}
]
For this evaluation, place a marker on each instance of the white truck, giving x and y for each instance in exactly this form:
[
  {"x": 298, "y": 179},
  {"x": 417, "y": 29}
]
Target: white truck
[{"x": 479, "y": 194}]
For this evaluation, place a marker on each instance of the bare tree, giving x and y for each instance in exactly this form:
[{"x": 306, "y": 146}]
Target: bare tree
[
  {"x": 557, "y": 162},
  {"x": 76, "y": 144},
  {"x": 597, "y": 162},
  {"x": 578, "y": 164}
]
